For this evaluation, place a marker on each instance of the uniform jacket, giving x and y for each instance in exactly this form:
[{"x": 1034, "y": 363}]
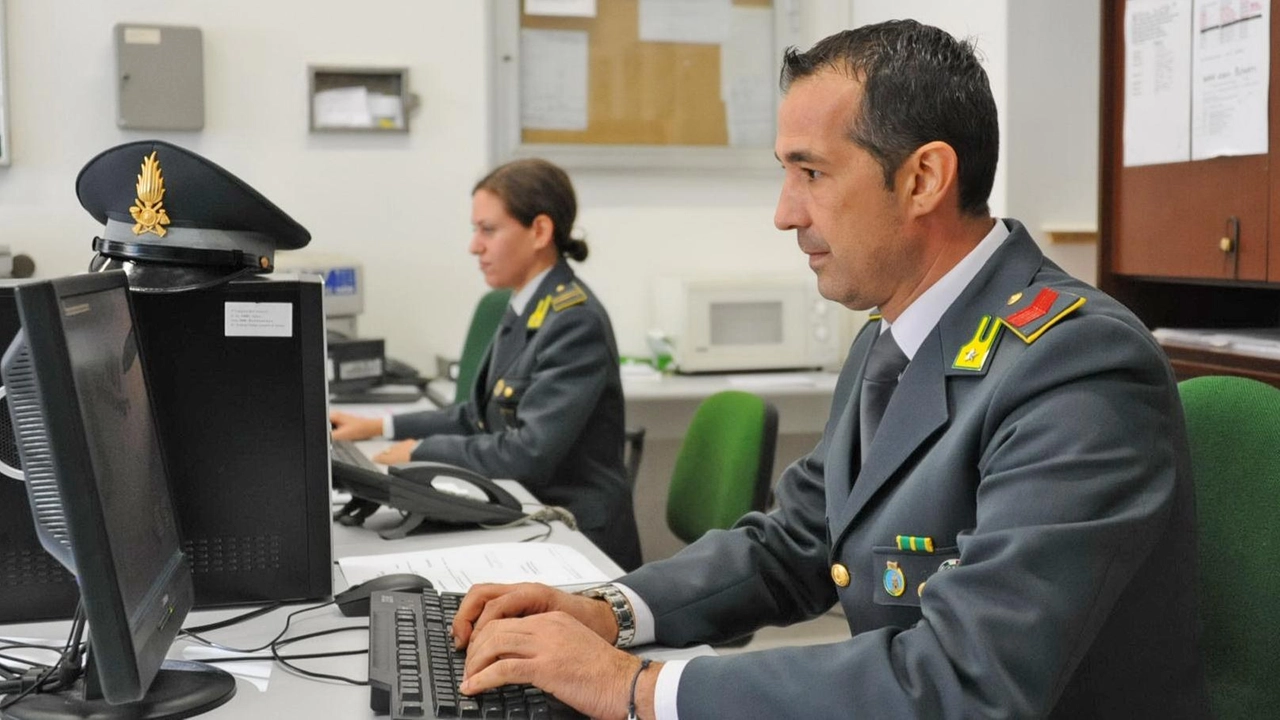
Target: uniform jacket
[
  {"x": 552, "y": 419},
  {"x": 1054, "y": 486}
]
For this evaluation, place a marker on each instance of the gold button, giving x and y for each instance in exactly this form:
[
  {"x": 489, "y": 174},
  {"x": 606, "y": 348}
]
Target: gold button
[
  {"x": 498, "y": 387},
  {"x": 559, "y": 288},
  {"x": 480, "y": 424},
  {"x": 920, "y": 590},
  {"x": 1015, "y": 298},
  {"x": 508, "y": 392},
  {"x": 840, "y": 575}
]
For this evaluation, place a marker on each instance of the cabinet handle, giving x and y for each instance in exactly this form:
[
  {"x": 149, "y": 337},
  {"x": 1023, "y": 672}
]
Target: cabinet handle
[{"x": 1229, "y": 244}]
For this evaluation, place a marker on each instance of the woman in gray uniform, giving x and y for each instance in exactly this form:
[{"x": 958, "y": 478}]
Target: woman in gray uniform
[{"x": 546, "y": 407}]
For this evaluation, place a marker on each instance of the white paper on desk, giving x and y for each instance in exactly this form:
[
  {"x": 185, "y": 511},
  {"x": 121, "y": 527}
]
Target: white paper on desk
[
  {"x": 1157, "y": 81},
  {"x": 346, "y": 107},
  {"x": 561, "y": 8},
  {"x": 457, "y": 569},
  {"x": 685, "y": 21},
  {"x": 747, "y": 79},
  {"x": 257, "y": 672},
  {"x": 1230, "y": 73},
  {"x": 553, "y": 79}
]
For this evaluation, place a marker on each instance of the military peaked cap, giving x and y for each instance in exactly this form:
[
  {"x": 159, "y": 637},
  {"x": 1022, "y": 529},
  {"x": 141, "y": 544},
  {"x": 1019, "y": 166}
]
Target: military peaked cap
[{"x": 177, "y": 221}]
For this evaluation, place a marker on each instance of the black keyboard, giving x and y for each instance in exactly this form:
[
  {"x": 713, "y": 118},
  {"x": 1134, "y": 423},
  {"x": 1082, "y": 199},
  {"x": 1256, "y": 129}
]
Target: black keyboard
[
  {"x": 347, "y": 452},
  {"x": 414, "y": 672}
]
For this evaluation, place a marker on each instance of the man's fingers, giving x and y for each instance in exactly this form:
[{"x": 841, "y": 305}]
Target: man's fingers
[
  {"x": 507, "y": 671},
  {"x": 476, "y": 600}
]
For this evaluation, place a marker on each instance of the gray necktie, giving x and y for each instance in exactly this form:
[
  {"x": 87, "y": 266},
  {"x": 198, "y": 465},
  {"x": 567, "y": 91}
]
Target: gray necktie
[
  {"x": 505, "y": 345},
  {"x": 885, "y": 363}
]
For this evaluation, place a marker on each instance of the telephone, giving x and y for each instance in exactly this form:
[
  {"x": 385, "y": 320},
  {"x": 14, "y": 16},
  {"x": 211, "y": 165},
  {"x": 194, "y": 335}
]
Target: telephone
[{"x": 428, "y": 492}]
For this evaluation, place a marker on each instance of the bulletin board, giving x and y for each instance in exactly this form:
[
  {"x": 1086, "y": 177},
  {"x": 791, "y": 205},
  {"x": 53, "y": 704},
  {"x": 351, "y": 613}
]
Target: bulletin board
[{"x": 641, "y": 83}]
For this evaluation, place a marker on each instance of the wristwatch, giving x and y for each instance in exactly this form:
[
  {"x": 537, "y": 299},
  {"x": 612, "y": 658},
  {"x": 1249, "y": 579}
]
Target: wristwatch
[{"x": 622, "y": 611}]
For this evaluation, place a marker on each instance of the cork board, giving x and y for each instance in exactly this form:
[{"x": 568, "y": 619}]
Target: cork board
[{"x": 643, "y": 94}]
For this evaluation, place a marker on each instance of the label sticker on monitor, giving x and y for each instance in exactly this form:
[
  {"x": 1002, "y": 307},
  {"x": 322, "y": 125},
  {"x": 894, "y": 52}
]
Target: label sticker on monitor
[{"x": 250, "y": 319}]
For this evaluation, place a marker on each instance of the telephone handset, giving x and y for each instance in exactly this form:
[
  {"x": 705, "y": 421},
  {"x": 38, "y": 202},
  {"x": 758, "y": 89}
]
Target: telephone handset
[{"x": 430, "y": 492}]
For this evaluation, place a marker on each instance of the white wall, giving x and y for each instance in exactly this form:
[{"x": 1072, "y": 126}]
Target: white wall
[
  {"x": 401, "y": 202},
  {"x": 1052, "y": 125}
]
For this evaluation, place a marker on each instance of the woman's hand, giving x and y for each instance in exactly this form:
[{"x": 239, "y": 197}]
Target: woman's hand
[
  {"x": 354, "y": 427},
  {"x": 401, "y": 452}
]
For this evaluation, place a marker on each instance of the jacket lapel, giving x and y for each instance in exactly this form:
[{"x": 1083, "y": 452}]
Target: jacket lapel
[
  {"x": 917, "y": 410},
  {"x": 520, "y": 333}
]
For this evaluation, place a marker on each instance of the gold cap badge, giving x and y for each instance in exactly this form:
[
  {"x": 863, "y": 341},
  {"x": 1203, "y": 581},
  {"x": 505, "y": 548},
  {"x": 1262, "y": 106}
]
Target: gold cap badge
[{"x": 148, "y": 214}]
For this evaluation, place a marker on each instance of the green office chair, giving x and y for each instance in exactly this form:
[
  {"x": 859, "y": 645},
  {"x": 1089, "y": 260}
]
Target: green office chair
[
  {"x": 484, "y": 323},
  {"x": 1233, "y": 425},
  {"x": 725, "y": 464}
]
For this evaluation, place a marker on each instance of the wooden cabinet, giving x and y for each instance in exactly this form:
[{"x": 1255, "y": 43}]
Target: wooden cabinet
[{"x": 1192, "y": 244}]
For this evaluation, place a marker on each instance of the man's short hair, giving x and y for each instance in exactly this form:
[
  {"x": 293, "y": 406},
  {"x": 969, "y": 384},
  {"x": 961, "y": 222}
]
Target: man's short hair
[{"x": 919, "y": 85}]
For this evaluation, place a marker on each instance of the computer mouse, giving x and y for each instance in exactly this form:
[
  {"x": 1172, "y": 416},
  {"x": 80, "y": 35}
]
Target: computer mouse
[{"x": 354, "y": 601}]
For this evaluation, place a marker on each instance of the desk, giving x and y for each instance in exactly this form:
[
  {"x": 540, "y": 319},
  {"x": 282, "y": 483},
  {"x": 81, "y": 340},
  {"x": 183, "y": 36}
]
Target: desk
[
  {"x": 292, "y": 696},
  {"x": 665, "y": 406}
]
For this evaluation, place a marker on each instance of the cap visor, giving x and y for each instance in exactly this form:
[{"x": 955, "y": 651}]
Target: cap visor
[{"x": 153, "y": 278}]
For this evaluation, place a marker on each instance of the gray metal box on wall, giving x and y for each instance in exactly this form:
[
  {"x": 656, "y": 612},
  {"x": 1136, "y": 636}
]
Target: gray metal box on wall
[{"x": 160, "y": 75}]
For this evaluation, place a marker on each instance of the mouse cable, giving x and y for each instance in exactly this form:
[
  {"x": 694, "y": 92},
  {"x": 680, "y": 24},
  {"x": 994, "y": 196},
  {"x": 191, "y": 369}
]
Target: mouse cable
[
  {"x": 205, "y": 641},
  {"x": 275, "y": 653},
  {"x": 234, "y": 620}
]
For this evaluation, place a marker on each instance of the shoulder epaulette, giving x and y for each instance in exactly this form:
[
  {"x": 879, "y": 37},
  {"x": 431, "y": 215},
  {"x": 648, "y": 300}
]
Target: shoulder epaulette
[
  {"x": 568, "y": 296},
  {"x": 1030, "y": 315}
]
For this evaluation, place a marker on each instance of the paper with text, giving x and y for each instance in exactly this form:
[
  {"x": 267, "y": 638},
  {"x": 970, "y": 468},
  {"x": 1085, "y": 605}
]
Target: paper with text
[
  {"x": 561, "y": 8},
  {"x": 1157, "y": 81},
  {"x": 457, "y": 569},
  {"x": 553, "y": 79},
  {"x": 1229, "y": 78},
  {"x": 685, "y": 21}
]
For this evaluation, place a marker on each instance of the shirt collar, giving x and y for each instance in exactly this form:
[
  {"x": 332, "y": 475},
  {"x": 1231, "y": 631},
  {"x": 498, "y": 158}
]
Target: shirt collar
[
  {"x": 918, "y": 320},
  {"x": 520, "y": 300}
]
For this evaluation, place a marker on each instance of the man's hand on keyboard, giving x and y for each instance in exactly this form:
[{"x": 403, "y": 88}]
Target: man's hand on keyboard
[
  {"x": 354, "y": 427},
  {"x": 557, "y": 653},
  {"x": 488, "y": 602}
]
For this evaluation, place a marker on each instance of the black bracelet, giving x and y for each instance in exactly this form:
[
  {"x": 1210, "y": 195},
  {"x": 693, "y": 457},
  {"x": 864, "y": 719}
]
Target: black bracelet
[{"x": 631, "y": 705}]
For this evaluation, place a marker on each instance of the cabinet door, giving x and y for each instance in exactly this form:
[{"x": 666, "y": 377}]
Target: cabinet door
[{"x": 1169, "y": 220}]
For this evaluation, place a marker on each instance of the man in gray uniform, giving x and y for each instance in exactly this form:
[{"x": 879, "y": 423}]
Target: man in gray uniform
[{"x": 1001, "y": 500}]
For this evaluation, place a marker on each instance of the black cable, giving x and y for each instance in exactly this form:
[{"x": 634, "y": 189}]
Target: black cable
[
  {"x": 39, "y": 684},
  {"x": 303, "y": 656},
  {"x": 275, "y": 653},
  {"x": 232, "y": 621},
  {"x": 228, "y": 648}
]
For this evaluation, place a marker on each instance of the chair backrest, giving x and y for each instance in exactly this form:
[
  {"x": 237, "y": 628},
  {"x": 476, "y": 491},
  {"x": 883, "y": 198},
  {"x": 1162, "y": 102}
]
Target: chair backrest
[
  {"x": 725, "y": 464},
  {"x": 484, "y": 323},
  {"x": 1233, "y": 427}
]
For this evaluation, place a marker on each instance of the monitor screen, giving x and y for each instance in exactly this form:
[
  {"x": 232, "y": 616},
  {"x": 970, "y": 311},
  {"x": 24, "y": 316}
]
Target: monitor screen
[{"x": 96, "y": 477}]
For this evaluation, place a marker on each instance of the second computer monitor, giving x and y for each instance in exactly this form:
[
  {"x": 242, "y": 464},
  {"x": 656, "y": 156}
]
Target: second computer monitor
[{"x": 97, "y": 480}]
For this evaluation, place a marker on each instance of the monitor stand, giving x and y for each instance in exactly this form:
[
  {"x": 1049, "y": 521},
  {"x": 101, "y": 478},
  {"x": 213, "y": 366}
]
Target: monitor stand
[{"x": 181, "y": 689}]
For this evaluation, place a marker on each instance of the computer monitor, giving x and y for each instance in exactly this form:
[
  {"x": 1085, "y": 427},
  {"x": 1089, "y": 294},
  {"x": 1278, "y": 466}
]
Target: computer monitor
[{"x": 99, "y": 494}]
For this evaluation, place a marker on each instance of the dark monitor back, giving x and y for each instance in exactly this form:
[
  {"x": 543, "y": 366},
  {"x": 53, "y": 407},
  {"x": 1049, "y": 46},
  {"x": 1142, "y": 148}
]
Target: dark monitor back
[
  {"x": 33, "y": 586},
  {"x": 245, "y": 432}
]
